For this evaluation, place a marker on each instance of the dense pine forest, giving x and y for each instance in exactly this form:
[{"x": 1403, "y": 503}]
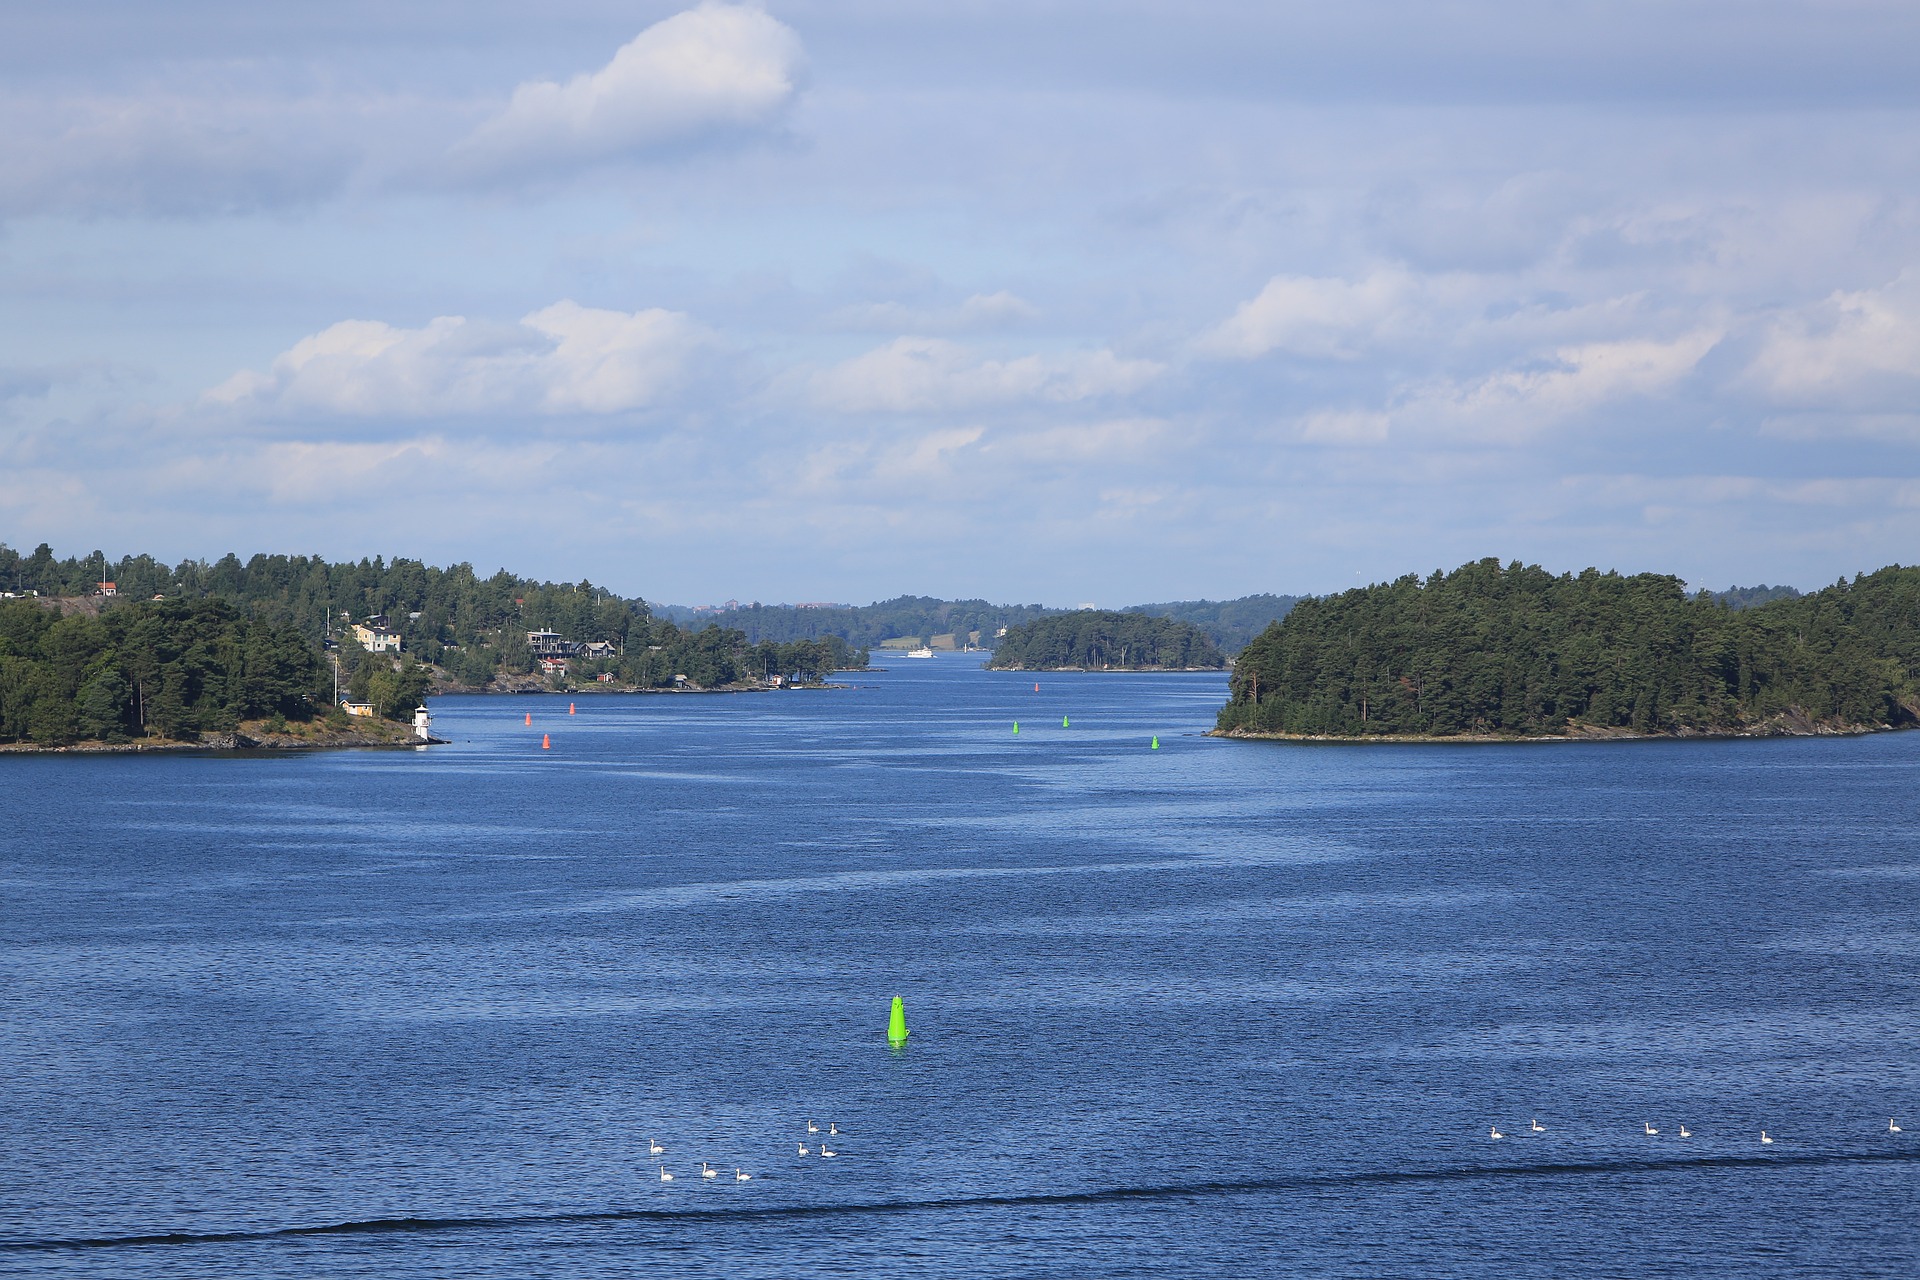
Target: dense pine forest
[
  {"x": 1515, "y": 650},
  {"x": 170, "y": 670},
  {"x": 1096, "y": 640}
]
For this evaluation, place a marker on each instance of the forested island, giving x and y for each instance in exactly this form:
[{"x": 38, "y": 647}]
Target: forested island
[
  {"x": 134, "y": 652},
  {"x": 1515, "y": 651},
  {"x": 1102, "y": 640}
]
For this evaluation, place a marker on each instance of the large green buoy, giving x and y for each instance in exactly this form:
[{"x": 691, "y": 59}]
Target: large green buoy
[
  {"x": 1016, "y": 728},
  {"x": 1156, "y": 742},
  {"x": 897, "y": 1024},
  {"x": 1063, "y": 722}
]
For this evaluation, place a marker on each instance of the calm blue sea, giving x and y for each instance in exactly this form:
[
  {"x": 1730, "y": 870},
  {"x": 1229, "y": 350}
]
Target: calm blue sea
[{"x": 1234, "y": 1009}]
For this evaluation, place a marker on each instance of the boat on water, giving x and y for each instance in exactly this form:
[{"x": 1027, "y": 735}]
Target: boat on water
[{"x": 921, "y": 652}]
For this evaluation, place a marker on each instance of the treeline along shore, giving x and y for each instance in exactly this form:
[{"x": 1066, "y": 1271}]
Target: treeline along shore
[{"x": 1513, "y": 651}]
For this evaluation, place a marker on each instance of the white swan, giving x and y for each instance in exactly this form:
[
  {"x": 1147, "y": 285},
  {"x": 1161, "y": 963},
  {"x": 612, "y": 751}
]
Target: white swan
[
  {"x": 1493, "y": 1131},
  {"x": 654, "y": 1148},
  {"x": 741, "y": 1177},
  {"x": 812, "y": 1127},
  {"x": 664, "y": 1175},
  {"x": 825, "y": 1150},
  {"x": 833, "y": 1128},
  {"x": 803, "y": 1148},
  {"x": 1649, "y": 1128},
  {"x": 708, "y": 1171},
  {"x": 1765, "y": 1140},
  {"x": 1685, "y": 1132},
  {"x": 1536, "y": 1126},
  {"x": 1892, "y": 1127}
]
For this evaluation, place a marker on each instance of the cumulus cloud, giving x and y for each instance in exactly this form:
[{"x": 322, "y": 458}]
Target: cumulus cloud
[
  {"x": 561, "y": 359},
  {"x": 715, "y": 69},
  {"x": 1314, "y": 316},
  {"x": 932, "y": 375},
  {"x": 1853, "y": 350}
]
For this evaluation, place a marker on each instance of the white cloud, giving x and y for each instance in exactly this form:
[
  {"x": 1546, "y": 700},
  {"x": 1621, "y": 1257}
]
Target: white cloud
[
  {"x": 1854, "y": 350},
  {"x": 1577, "y": 379},
  {"x": 921, "y": 375},
  {"x": 1316, "y": 316},
  {"x": 714, "y": 69},
  {"x": 561, "y": 359}
]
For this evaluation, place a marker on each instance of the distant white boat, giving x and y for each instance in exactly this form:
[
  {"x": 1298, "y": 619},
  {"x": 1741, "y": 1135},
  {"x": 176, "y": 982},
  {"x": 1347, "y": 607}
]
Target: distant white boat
[{"x": 921, "y": 652}]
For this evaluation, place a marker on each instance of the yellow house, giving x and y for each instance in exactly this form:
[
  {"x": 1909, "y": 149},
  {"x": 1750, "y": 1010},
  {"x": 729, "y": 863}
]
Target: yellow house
[{"x": 374, "y": 636}]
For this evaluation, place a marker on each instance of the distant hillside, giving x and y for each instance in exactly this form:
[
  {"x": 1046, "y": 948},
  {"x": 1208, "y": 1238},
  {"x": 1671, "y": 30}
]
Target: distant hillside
[
  {"x": 1748, "y": 597},
  {"x": 866, "y": 626},
  {"x": 1100, "y": 640},
  {"x": 1493, "y": 649},
  {"x": 1231, "y": 624}
]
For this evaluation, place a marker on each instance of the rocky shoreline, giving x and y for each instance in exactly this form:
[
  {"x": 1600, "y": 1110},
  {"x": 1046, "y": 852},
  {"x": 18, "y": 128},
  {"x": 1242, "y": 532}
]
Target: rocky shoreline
[
  {"x": 1785, "y": 725},
  {"x": 253, "y": 735}
]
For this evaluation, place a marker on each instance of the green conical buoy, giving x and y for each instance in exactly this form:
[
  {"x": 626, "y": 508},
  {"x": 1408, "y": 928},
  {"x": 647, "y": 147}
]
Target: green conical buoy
[
  {"x": 1063, "y": 722},
  {"x": 1156, "y": 742},
  {"x": 1016, "y": 726},
  {"x": 897, "y": 1024}
]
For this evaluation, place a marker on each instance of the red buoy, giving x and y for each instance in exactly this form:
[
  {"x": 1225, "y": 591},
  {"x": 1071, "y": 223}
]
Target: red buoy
[
  {"x": 546, "y": 742},
  {"x": 529, "y": 717},
  {"x": 569, "y": 708}
]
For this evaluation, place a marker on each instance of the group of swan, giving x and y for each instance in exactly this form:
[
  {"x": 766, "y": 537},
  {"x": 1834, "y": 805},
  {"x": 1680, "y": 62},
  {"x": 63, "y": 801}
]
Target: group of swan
[
  {"x": 708, "y": 1171},
  {"x": 1766, "y": 1139}
]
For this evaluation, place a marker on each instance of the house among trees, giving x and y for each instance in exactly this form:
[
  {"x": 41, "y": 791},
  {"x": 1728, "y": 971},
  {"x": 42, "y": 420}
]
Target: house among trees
[
  {"x": 375, "y": 636},
  {"x": 550, "y": 644},
  {"x": 553, "y": 666},
  {"x": 108, "y": 589}
]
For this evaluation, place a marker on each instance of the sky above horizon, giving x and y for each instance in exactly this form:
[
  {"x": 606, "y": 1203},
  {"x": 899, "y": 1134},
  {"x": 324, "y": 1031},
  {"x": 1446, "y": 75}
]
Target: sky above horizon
[{"x": 1064, "y": 302}]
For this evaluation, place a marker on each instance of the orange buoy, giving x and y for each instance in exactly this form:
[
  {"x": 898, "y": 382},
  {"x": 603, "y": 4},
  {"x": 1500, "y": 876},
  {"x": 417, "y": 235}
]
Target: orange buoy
[
  {"x": 546, "y": 742},
  {"x": 529, "y": 717},
  {"x": 569, "y": 708}
]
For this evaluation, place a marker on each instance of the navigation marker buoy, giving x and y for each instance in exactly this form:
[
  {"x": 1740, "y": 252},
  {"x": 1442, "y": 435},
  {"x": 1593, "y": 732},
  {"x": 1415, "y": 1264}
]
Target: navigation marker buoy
[
  {"x": 529, "y": 717},
  {"x": 1036, "y": 686},
  {"x": 1156, "y": 742},
  {"x": 546, "y": 742},
  {"x": 1063, "y": 722},
  {"x": 1016, "y": 728},
  {"x": 569, "y": 708},
  {"x": 897, "y": 1023}
]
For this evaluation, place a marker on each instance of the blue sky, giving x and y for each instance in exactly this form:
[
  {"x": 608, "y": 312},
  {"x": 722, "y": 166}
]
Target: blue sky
[{"x": 1058, "y": 302}]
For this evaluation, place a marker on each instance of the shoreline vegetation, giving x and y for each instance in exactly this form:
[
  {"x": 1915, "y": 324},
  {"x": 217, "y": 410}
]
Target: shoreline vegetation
[
  {"x": 135, "y": 654},
  {"x": 1493, "y": 653}
]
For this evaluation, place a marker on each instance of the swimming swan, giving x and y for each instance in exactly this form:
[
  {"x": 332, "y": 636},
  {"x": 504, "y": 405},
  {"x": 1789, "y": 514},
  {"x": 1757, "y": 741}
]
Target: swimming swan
[
  {"x": 1765, "y": 1140},
  {"x": 1493, "y": 1131},
  {"x": 664, "y": 1175},
  {"x": 742, "y": 1177},
  {"x": 654, "y": 1148},
  {"x": 825, "y": 1150},
  {"x": 803, "y": 1147},
  {"x": 1649, "y": 1128},
  {"x": 1685, "y": 1132},
  {"x": 1536, "y": 1126},
  {"x": 708, "y": 1171}
]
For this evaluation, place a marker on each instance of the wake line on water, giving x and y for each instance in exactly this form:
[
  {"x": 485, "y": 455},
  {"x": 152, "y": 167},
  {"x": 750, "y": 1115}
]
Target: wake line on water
[{"x": 1094, "y": 1196}]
